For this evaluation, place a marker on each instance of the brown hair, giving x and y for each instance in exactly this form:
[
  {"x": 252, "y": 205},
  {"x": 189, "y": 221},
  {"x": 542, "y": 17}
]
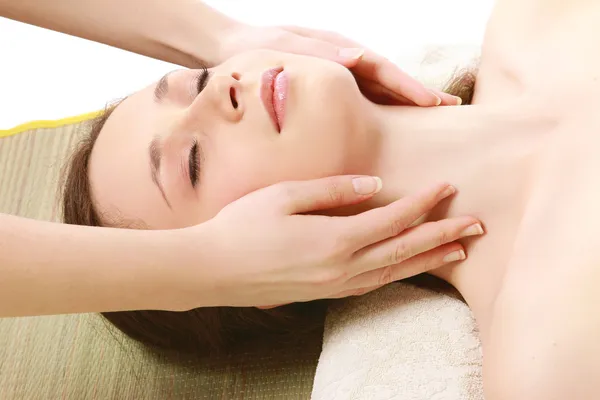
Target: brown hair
[{"x": 202, "y": 330}]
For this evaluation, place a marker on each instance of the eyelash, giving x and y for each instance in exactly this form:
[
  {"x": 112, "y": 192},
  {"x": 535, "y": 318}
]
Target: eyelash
[
  {"x": 201, "y": 79},
  {"x": 200, "y": 82},
  {"x": 194, "y": 163}
]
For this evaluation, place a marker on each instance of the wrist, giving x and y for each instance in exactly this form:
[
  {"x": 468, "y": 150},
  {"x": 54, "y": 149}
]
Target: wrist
[
  {"x": 202, "y": 36},
  {"x": 182, "y": 270},
  {"x": 78, "y": 269}
]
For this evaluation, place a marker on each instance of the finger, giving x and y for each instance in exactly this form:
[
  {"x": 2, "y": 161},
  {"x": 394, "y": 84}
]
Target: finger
[
  {"x": 321, "y": 194},
  {"x": 354, "y": 292},
  {"x": 307, "y": 46},
  {"x": 379, "y": 94},
  {"x": 372, "y": 67},
  {"x": 447, "y": 99},
  {"x": 378, "y": 224},
  {"x": 416, "y": 240},
  {"x": 324, "y": 35},
  {"x": 348, "y": 51},
  {"x": 378, "y": 69},
  {"x": 432, "y": 259}
]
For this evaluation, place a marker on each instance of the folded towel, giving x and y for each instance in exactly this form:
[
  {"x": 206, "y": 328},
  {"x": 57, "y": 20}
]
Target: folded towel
[{"x": 400, "y": 342}]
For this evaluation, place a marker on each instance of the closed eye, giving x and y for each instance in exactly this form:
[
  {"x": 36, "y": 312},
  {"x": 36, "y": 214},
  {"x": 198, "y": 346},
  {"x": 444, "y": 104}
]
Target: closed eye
[
  {"x": 194, "y": 163},
  {"x": 201, "y": 80}
]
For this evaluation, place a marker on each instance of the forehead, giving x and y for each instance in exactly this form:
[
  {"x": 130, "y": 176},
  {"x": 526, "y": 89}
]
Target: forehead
[{"x": 119, "y": 164}]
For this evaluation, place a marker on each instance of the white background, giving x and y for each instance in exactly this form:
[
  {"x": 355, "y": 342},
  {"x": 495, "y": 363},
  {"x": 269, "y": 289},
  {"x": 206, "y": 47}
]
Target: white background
[{"x": 48, "y": 75}]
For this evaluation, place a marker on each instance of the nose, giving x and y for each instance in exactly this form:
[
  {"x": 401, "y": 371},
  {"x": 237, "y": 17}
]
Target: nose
[{"x": 226, "y": 96}]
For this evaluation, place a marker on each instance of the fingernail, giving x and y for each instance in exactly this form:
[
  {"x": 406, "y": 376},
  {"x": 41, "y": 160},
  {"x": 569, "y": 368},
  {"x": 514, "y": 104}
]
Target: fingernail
[
  {"x": 455, "y": 256},
  {"x": 450, "y": 190},
  {"x": 458, "y": 100},
  {"x": 367, "y": 185},
  {"x": 472, "y": 230},
  {"x": 352, "y": 53},
  {"x": 438, "y": 100}
]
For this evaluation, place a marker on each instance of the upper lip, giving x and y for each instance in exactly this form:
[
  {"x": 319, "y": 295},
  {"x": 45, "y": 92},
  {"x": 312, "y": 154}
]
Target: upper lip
[{"x": 267, "y": 87}]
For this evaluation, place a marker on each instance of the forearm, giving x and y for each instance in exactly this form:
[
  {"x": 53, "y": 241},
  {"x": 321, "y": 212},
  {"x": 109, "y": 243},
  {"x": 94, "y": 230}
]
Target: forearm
[
  {"x": 178, "y": 31},
  {"x": 48, "y": 268}
]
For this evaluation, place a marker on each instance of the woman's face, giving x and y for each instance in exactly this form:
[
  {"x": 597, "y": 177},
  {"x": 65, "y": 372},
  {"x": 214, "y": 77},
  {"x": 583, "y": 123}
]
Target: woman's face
[{"x": 172, "y": 157}]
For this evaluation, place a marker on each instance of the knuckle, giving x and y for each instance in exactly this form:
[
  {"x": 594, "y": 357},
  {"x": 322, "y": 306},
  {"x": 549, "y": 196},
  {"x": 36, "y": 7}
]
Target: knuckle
[
  {"x": 335, "y": 193},
  {"x": 330, "y": 255},
  {"x": 342, "y": 246},
  {"x": 386, "y": 276},
  {"x": 284, "y": 193},
  {"x": 401, "y": 253},
  {"x": 442, "y": 237},
  {"x": 397, "y": 226},
  {"x": 336, "y": 249},
  {"x": 330, "y": 277}
]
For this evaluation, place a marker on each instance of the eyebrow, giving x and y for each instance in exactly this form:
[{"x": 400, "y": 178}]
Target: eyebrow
[
  {"x": 154, "y": 150},
  {"x": 162, "y": 88}
]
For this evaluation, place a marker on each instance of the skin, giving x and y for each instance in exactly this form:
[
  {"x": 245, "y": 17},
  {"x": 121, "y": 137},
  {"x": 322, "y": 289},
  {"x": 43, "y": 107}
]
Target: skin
[
  {"x": 78, "y": 269},
  {"x": 240, "y": 149},
  {"x": 51, "y": 280},
  {"x": 524, "y": 159}
]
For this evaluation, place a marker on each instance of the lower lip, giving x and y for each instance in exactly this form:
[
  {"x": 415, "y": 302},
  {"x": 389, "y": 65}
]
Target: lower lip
[
  {"x": 280, "y": 97},
  {"x": 273, "y": 93}
]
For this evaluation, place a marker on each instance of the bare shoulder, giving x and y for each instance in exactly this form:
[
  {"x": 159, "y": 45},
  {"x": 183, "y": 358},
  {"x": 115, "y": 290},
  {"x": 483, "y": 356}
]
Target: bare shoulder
[
  {"x": 543, "y": 339},
  {"x": 531, "y": 43},
  {"x": 519, "y": 23}
]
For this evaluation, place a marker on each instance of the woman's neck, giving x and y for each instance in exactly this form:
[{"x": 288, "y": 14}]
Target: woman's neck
[{"x": 487, "y": 152}]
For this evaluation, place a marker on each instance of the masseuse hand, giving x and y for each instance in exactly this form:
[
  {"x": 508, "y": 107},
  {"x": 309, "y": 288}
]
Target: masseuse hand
[
  {"x": 379, "y": 79},
  {"x": 266, "y": 253}
]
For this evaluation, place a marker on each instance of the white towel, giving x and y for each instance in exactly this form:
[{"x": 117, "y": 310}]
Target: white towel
[{"x": 400, "y": 342}]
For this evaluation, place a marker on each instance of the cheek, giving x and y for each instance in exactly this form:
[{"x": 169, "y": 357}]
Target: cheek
[
  {"x": 232, "y": 174},
  {"x": 229, "y": 181},
  {"x": 235, "y": 167},
  {"x": 233, "y": 183}
]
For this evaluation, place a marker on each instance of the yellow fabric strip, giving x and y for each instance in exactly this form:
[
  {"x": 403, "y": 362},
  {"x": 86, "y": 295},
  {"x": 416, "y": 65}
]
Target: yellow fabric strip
[{"x": 48, "y": 124}]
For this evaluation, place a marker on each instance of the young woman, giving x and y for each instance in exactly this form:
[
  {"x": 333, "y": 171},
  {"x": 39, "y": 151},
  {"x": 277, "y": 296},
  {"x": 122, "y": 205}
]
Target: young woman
[
  {"x": 73, "y": 267},
  {"x": 523, "y": 156}
]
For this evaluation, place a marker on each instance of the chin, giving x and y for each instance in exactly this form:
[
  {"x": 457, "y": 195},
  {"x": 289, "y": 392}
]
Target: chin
[{"x": 330, "y": 99}]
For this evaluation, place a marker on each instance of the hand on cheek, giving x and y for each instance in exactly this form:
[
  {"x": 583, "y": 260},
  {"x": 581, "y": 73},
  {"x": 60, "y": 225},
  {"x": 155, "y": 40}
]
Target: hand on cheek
[
  {"x": 273, "y": 254},
  {"x": 379, "y": 79}
]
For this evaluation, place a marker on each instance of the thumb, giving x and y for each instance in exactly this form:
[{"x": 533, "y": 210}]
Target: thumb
[{"x": 325, "y": 193}]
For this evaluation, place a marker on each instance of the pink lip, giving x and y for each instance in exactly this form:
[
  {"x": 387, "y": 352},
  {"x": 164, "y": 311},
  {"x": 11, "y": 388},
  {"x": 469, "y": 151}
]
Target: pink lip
[{"x": 273, "y": 93}]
